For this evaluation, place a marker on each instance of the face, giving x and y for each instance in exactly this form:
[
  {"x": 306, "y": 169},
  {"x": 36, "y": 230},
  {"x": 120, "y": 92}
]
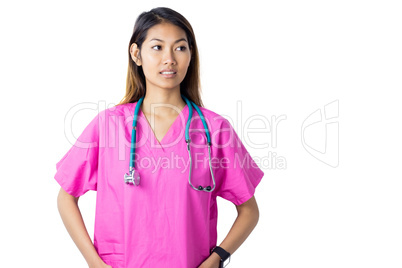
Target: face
[{"x": 166, "y": 47}]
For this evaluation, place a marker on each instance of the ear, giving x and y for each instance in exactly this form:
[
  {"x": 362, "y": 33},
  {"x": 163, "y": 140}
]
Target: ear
[{"x": 135, "y": 54}]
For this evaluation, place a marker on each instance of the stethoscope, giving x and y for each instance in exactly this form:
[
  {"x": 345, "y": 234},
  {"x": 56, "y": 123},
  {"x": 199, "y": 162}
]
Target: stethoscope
[{"x": 133, "y": 177}]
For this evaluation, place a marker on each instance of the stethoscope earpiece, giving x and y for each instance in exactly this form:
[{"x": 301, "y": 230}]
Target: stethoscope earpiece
[{"x": 207, "y": 189}]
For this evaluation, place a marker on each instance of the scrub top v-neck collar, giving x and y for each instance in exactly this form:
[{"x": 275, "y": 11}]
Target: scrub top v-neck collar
[{"x": 176, "y": 128}]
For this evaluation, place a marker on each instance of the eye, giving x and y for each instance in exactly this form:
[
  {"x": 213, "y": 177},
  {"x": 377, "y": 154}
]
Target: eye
[{"x": 181, "y": 48}]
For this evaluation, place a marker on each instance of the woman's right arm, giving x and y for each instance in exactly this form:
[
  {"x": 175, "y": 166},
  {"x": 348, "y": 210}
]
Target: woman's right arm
[{"x": 72, "y": 219}]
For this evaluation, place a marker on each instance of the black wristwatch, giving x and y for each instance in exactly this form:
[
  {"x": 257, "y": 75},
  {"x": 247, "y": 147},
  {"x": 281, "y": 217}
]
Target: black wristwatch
[{"x": 223, "y": 254}]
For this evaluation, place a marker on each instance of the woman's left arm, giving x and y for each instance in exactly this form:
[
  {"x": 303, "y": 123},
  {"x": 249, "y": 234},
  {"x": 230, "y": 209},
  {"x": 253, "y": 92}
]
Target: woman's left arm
[{"x": 247, "y": 219}]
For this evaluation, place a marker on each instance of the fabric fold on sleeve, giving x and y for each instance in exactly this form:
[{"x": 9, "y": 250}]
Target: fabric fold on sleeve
[
  {"x": 77, "y": 171},
  {"x": 237, "y": 172}
]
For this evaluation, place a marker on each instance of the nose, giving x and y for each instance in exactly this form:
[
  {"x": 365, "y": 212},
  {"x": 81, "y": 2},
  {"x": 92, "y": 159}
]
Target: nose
[{"x": 169, "y": 58}]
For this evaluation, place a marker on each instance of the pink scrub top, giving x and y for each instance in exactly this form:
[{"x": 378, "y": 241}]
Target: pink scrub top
[{"x": 163, "y": 222}]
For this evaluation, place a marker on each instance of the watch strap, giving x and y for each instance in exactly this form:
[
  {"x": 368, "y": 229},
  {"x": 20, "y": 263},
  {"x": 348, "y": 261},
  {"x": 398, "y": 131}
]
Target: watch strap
[{"x": 222, "y": 253}]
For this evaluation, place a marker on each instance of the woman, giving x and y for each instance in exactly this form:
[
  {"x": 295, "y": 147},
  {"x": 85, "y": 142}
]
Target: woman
[{"x": 165, "y": 221}]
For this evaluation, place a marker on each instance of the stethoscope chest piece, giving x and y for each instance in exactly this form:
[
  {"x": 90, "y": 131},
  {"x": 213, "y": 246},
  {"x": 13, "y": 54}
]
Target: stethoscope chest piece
[{"x": 132, "y": 177}]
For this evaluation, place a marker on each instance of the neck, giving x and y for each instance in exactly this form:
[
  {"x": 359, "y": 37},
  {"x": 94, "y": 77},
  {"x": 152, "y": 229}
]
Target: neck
[{"x": 162, "y": 103}]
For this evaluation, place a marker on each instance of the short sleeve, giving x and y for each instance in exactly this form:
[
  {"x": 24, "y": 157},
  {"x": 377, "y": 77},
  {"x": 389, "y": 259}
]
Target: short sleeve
[
  {"x": 77, "y": 171},
  {"x": 237, "y": 172}
]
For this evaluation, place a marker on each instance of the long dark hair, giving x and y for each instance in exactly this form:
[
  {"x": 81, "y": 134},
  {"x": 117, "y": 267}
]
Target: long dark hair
[{"x": 190, "y": 87}]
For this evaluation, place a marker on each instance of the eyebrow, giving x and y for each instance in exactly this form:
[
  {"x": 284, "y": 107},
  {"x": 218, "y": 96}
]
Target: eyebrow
[{"x": 177, "y": 41}]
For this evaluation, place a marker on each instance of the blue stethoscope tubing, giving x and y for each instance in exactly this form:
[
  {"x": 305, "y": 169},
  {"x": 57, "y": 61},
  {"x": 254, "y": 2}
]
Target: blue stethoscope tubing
[{"x": 133, "y": 177}]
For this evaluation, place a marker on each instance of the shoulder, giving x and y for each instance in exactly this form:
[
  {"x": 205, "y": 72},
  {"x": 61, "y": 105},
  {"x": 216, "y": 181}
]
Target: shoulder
[
  {"x": 125, "y": 109},
  {"x": 214, "y": 119},
  {"x": 221, "y": 129}
]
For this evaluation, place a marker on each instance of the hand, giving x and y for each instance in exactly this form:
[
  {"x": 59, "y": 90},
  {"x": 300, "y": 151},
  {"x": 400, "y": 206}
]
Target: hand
[{"x": 211, "y": 262}]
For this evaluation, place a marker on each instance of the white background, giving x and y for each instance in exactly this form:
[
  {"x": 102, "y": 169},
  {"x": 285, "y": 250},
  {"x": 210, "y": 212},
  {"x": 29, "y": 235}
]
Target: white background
[{"x": 286, "y": 58}]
